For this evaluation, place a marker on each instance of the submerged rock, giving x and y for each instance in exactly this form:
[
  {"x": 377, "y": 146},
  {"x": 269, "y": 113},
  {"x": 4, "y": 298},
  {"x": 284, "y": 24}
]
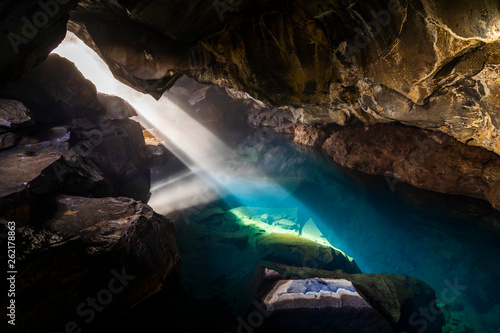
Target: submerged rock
[{"x": 289, "y": 249}]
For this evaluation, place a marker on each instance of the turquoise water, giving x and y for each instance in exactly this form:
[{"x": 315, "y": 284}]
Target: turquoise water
[{"x": 440, "y": 239}]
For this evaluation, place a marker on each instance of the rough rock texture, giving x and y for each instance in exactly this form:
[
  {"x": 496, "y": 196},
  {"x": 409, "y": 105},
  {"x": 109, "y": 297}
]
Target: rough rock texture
[
  {"x": 426, "y": 159},
  {"x": 29, "y": 31},
  {"x": 115, "y": 250},
  {"x": 290, "y": 250},
  {"x": 55, "y": 91},
  {"x": 398, "y": 298},
  {"x": 54, "y": 114},
  {"x": 320, "y": 305},
  {"x": 420, "y": 62},
  {"x": 424, "y": 63}
]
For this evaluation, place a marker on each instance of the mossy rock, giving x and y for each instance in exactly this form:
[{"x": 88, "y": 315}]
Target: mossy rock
[
  {"x": 399, "y": 298},
  {"x": 294, "y": 250}
]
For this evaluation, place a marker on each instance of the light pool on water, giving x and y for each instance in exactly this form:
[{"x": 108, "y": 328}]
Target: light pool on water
[{"x": 438, "y": 239}]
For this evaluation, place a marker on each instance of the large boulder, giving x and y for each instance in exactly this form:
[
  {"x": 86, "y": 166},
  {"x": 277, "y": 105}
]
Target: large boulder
[
  {"x": 29, "y": 31},
  {"x": 90, "y": 260},
  {"x": 290, "y": 249},
  {"x": 103, "y": 152},
  {"x": 406, "y": 303},
  {"x": 319, "y": 305},
  {"x": 426, "y": 159}
]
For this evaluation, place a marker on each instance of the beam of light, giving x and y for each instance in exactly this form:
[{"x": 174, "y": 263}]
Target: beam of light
[
  {"x": 199, "y": 149},
  {"x": 209, "y": 160}
]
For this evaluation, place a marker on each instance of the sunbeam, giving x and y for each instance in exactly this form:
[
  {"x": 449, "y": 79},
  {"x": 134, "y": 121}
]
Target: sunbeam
[{"x": 199, "y": 149}]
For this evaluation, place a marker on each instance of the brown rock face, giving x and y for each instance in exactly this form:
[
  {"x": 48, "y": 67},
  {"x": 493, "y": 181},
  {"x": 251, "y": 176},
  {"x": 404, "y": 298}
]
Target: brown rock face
[
  {"x": 116, "y": 250},
  {"x": 57, "y": 137},
  {"x": 426, "y": 159},
  {"x": 419, "y": 62},
  {"x": 29, "y": 31}
]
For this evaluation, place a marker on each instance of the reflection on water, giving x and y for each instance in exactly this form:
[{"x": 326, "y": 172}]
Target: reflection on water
[{"x": 433, "y": 237}]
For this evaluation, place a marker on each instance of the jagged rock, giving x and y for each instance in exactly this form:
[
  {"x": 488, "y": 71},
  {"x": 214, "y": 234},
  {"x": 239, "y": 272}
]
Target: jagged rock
[
  {"x": 280, "y": 119},
  {"x": 55, "y": 90},
  {"x": 14, "y": 114},
  {"x": 426, "y": 159},
  {"x": 30, "y": 30},
  {"x": 8, "y": 140},
  {"x": 331, "y": 62},
  {"x": 104, "y": 151},
  {"x": 156, "y": 152},
  {"x": 114, "y": 250},
  {"x": 310, "y": 136}
]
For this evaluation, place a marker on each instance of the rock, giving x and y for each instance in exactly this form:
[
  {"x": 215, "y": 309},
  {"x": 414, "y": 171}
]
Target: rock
[
  {"x": 157, "y": 154},
  {"x": 116, "y": 250},
  {"x": 337, "y": 70},
  {"x": 23, "y": 44},
  {"x": 8, "y": 140},
  {"x": 14, "y": 114},
  {"x": 425, "y": 159},
  {"x": 287, "y": 224},
  {"x": 116, "y": 108},
  {"x": 137, "y": 51},
  {"x": 280, "y": 119},
  {"x": 26, "y": 178},
  {"x": 400, "y": 299},
  {"x": 118, "y": 149},
  {"x": 310, "y": 136},
  {"x": 55, "y": 90},
  {"x": 289, "y": 249},
  {"x": 320, "y": 305}
]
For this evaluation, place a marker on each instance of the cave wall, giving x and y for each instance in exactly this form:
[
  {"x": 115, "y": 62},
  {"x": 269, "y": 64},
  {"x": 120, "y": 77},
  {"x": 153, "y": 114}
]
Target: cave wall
[{"x": 423, "y": 63}]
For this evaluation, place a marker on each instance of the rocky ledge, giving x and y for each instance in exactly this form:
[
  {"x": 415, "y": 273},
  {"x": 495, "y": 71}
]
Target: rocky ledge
[{"x": 90, "y": 261}]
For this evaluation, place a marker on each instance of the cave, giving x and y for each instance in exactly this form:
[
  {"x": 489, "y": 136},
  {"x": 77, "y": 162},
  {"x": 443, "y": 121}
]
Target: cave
[{"x": 250, "y": 166}]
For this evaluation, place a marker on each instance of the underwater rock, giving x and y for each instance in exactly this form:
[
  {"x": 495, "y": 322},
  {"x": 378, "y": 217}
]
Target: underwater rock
[
  {"x": 289, "y": 249},
  {"x": 114, "y": 250},
  {"x": 287, "y": 224}
]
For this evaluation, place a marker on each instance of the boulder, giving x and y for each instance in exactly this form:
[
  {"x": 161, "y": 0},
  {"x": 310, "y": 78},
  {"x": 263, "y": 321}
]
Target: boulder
[
  {"x": 90, "y": 260},
  {"x": 55, "y": 91},
  {"x": 292, "y": 250},
  {"x": 320, "y": 305},
  {"x": 406, "y": 303},
  {"x": 425, "y": 159},
  {"x": 30, "y": 30}
]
